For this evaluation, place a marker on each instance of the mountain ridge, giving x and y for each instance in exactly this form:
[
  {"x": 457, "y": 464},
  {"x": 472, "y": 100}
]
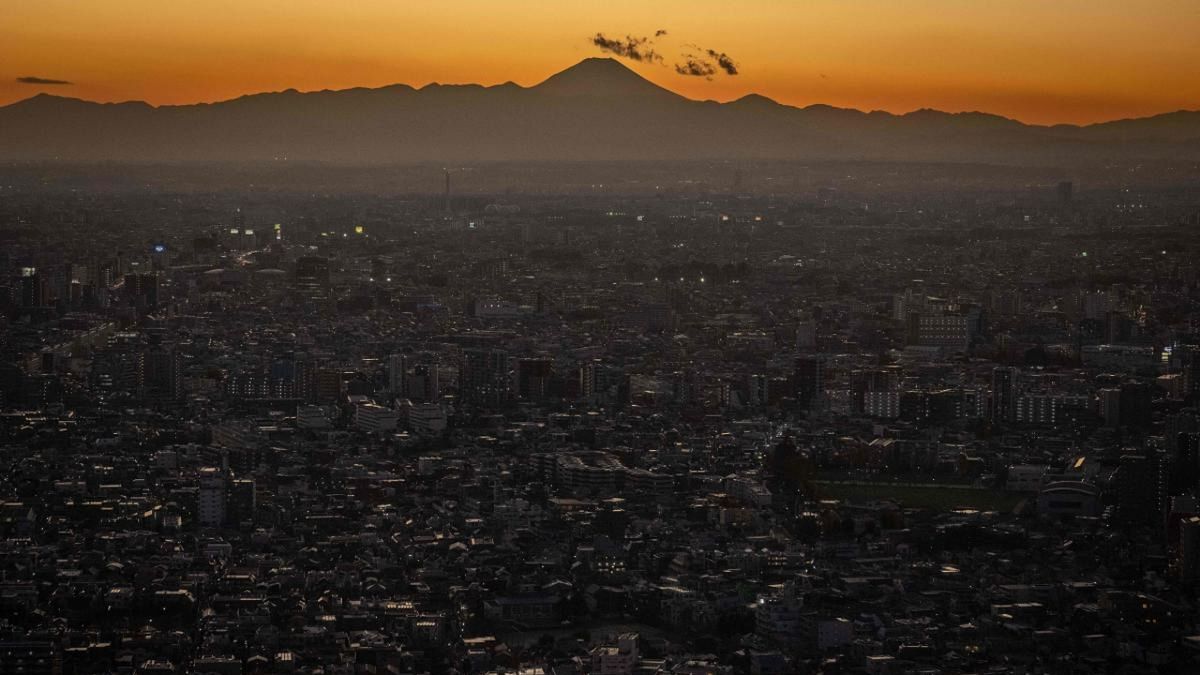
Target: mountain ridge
[{"x": 597, "y": 109}]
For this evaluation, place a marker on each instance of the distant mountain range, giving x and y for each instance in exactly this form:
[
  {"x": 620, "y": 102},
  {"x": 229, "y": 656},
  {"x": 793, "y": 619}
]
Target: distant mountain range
[{"x": 595, "y": 110}]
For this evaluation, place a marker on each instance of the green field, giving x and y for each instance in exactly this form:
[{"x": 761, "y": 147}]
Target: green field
[{"x": 920, "y": 496}]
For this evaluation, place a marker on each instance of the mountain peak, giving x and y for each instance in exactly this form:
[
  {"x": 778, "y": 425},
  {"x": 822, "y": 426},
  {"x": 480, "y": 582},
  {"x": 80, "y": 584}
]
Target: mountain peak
[
  {"x": 600, "y": 76},
  {"x": 756, "y": 101},
  {"x": 597, "y": 66}
]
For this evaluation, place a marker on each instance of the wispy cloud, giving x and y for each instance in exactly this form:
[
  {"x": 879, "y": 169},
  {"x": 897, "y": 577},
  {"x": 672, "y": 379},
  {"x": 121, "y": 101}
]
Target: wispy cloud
[
  {"x": 633, "y": 48},
  {"x": 702, "y": 62},
  {"x": 693, "y": 67},
  {"x": 30, "y": 79},
  {"x": 697, "y": 61},
  {"x": 724, "y": 61}
]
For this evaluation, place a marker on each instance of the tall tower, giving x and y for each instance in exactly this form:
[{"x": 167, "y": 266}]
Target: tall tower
[
  {"x": 1003, "y": 384},
  {"x": 1141, "y": 484},
  {"x": 214, "y": 490},
  {"x": 808, "y": 380},
  {"x": 446, "y": 206},
  {"x": 485, "y": 377},
  {"x": 398, "y": 374}
]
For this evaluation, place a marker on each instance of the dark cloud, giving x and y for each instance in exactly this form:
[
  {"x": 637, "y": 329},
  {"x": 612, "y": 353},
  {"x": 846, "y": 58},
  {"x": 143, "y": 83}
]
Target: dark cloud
[
  {"x": 694, "y": 67},
  {"x": 660, "y": 32},
  {"x": 29, "y": 79},
  {"x": 724, "y": 61},
  {"x": 633, "y": 48}
]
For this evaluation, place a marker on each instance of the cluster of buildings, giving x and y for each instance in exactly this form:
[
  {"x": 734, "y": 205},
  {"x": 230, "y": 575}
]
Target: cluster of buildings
[{"x": 873, "y": 432}]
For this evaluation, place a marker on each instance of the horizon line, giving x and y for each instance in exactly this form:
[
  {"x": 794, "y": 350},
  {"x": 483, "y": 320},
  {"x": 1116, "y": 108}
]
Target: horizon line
[{"x": 508, "y": 83}]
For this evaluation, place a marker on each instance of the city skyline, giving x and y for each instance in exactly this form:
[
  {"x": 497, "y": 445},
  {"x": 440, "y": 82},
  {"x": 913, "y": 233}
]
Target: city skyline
[
  {"x": 1034, "y": 63},
  {"x": 835, "y": 337}
]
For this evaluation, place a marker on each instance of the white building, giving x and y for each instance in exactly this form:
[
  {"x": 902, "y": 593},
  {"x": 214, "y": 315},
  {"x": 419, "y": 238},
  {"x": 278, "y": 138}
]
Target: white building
[
  {"x": 426, "y": 419},
  {"x": 373, "y": 418},
  {"x": 214, "y": 489}
]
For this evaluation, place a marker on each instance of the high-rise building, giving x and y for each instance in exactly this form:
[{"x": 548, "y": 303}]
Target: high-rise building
[
  {"x": 485, "y": 378},
  {"x": 328, "y": 385},
  {"x": 312, "y": 274},
  {"x": 808, "y": 380},
  {"x": 533, "y": 378},
  {"x": 1109, "y": 406},
  {"x": 161, "y": 373},
  {"x": 214, "y": 492},
  {"x": 1003, "y": 393},
  {"x": 242, "y": 500},
  {"x": 1185, "y": 463},
  {"x": 1137, "y": 404},
  {"x": 915, "y": 405},
  {"x": 1095, "y": 305},
  {"x": 424, "y": 383},
  {"x": 1191, "y": 374},
  {"x": 397, "y": 373},
  {"x": 806, "y": 335},
  {"x": 1189, "y": 550},
  {"x": 1065, "y": 192},
  {"x": 141, "y": 291},
  {"x": 305, "y": 384},
  {"x": 587, "y": 381},
  {"x": 32, "y": 290},
  {"x": 1141, "y": 485}
]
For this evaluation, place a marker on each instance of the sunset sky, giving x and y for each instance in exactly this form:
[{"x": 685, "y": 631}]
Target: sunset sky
[{"x": 1039, "y": 61}]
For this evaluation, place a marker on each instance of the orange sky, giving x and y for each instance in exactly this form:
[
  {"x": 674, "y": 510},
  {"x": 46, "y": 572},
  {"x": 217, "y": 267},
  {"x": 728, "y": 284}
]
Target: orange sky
[{"x": 1036, "y": 60}]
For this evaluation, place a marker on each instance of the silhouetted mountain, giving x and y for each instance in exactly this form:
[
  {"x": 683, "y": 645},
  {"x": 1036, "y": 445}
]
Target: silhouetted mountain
[{"x": 595, "y": 110}]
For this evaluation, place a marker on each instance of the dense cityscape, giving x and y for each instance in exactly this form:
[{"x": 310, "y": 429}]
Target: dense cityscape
[{"x": 849, "y": 418}]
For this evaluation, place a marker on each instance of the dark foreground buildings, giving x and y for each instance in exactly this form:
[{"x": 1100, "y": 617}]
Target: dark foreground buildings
[{"x": 817, "y": 420}]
